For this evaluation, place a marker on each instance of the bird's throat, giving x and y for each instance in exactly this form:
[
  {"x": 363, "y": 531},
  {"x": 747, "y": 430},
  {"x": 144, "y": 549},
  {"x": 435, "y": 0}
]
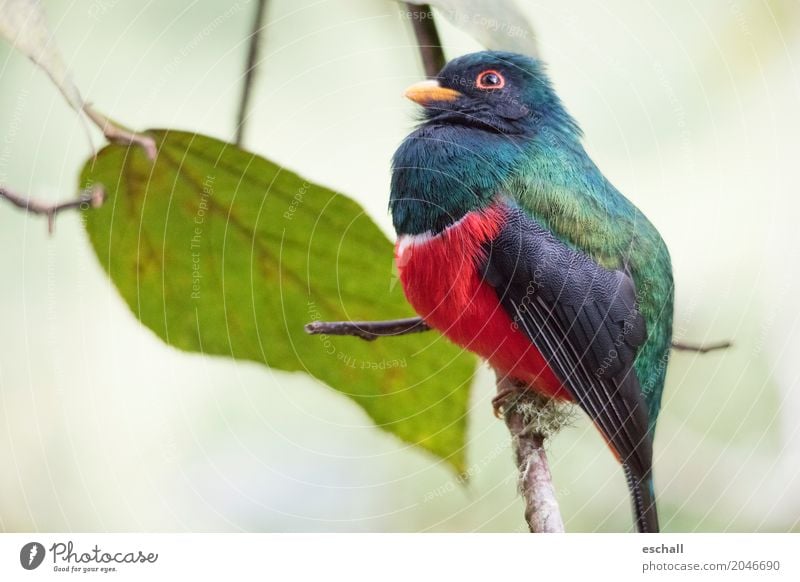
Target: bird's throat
[{"x": 442, "y": 172}]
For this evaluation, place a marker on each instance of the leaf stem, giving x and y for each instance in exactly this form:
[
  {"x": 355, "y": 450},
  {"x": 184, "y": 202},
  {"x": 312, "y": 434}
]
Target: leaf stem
[{"x": 118, "y": 134}]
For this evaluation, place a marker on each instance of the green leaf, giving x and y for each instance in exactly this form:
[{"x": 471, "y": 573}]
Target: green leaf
[{"x": 222, "y": 252}]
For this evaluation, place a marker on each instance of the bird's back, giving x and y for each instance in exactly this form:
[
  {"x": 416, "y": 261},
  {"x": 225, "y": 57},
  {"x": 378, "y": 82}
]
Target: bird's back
[{"x": 562, "y": 189}]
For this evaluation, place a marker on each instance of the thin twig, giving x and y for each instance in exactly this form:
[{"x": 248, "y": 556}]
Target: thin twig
[
  {"x": 371, "y": 330},
  {"x": 250, "y": 69},
  {"x": 116, "y": 134},
  {"x": 368, "y": 330},
  {"x": 430, "y": 46},
  {"x": 701, "y": 348},
  {"x": 91, "y": 198}
]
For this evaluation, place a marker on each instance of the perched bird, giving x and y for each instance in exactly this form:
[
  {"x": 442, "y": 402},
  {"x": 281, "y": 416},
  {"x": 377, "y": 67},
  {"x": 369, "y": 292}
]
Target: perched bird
[{"x": 513, "y": 244}]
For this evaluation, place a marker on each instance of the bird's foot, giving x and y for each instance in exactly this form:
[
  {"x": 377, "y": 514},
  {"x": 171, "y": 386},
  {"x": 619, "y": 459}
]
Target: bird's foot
[{"x": 508, "y": 394}]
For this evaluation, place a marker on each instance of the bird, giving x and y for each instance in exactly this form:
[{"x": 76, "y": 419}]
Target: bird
[{"x": 513, "y": 244}]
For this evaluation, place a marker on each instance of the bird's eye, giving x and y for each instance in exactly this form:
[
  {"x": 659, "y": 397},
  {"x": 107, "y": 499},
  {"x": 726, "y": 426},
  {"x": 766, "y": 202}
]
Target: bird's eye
[{"x": 490, "y": 80}]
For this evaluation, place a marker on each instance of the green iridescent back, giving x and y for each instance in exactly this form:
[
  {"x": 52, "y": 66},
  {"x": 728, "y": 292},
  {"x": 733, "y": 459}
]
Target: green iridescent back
[{"x": 561, "y": 188}]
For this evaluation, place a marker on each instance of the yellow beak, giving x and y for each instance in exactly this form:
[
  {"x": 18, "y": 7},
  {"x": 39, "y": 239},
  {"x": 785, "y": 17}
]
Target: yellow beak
[{"x": 430, "y": 92}]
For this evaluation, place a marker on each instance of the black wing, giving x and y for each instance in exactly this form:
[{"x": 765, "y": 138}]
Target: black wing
[{"x": 584, "y": 320}]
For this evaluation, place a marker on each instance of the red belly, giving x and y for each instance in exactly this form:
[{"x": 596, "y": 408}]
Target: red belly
[{"x": 442, "y": 283}]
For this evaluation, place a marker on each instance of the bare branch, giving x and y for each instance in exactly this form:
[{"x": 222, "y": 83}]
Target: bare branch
[
  {"x": 91, "y": 198},
  {"x": 250, "y": 69},
  {"x": 430, "y": 46},
  {"x": 372, "y": 330},
  {"x": 701, "y": 348},
  {"x": 368, "y": 330},
  {"x": 116, "y": 134}
]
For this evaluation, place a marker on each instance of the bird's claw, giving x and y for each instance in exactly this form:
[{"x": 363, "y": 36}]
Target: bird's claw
[{"x": 501, "y": 400}]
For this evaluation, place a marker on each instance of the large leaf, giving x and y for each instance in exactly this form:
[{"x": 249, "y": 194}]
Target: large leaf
[{"x": 222, "y": 252}]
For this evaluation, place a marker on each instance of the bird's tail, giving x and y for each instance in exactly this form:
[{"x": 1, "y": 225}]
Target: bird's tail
[{"x": 644, "y": 501}]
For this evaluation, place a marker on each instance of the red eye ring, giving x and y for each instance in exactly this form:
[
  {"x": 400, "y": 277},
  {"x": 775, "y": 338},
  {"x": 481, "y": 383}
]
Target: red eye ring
[{"x": 490, "y": 79}]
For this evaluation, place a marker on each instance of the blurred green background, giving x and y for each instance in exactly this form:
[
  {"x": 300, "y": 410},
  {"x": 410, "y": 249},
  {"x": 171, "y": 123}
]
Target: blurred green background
[{"x": 691, "y": 110}]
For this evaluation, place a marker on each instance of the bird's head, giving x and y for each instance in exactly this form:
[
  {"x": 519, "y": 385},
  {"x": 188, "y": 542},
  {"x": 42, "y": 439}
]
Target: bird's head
[{"x": 496, "y": 91}]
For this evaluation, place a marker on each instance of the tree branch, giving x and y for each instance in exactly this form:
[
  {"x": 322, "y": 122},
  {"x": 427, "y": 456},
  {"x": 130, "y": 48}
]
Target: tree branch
[
  {"x": 372, "y": 330},
  {"x": 531, "y": 419},
  {"x": 117, "y": 134},
  {"x": 250, "y": 69},
  {"x": 430, "y": 46},
  {"x": 368, "y": 330},
  {"x": 91, "y": 198},
  {"x": 701, "y": 348}
]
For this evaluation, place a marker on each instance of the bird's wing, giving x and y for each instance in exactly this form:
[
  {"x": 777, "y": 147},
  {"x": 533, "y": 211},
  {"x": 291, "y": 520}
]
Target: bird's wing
[{"x": 584, "y": 320}]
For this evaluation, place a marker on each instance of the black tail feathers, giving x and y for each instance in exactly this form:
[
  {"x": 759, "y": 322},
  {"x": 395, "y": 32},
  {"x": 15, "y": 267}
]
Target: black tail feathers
[{"x": 644, "y": 501}]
